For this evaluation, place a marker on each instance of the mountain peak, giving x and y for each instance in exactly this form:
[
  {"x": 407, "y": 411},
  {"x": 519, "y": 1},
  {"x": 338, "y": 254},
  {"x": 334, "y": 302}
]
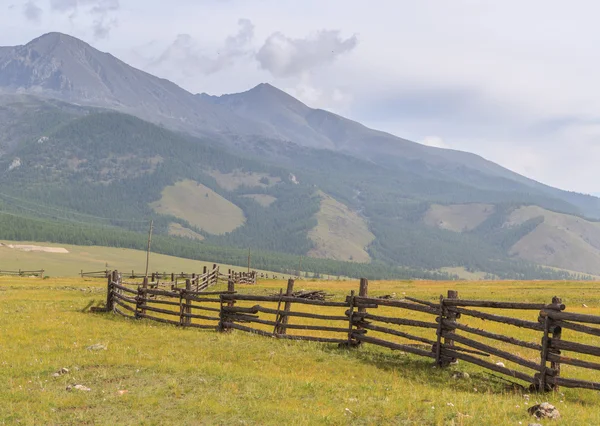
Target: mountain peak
[{"x": 49, "y": 41}]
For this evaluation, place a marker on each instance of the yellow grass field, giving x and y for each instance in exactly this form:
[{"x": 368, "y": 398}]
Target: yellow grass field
[
  {"x": 157, "y": 374},
  {"x": 97, "y": 258}
]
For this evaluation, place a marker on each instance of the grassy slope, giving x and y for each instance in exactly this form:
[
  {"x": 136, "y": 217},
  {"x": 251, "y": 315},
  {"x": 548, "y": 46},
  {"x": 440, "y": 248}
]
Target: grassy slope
[
  {"x": 340, "y": 233},
  {"x": 562, "y": 241},
  {"x": 179, "y": 230},
  {"x": 457, "y": 217},
  {"x": 232, "y": 181},
  {"x": 200, "y": 206},
  {"x": 188, "y": 377},
  {"x": 94, "y": 258}
]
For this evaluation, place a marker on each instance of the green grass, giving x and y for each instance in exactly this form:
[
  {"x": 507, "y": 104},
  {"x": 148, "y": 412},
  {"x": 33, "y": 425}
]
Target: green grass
[
  {"x": 189, "y": 377},
  {"x": 200, "y": 206}
]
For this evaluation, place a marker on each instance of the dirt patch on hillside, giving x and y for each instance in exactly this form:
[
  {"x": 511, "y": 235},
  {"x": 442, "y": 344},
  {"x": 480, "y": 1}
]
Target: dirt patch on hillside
[{"x": 27, "y": 247}]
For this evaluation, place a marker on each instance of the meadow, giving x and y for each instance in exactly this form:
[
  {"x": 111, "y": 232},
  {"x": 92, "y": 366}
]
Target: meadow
[{"x": 151, "y": 373}]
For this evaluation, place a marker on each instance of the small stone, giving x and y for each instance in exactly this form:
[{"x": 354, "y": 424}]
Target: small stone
[
  {"x": 78, "y": 387},
  {"x": 122, "y": 392},
  {"x": 461, "y": 375},
  {"x": 97, "y": 347},
  {"x": 61, "y": 372},
  {"x": 500, "y": 364},
  {"x": 544, "y": 410},
  {"x": 583, "y": 305},
  {"x": 449, "y": 404}
]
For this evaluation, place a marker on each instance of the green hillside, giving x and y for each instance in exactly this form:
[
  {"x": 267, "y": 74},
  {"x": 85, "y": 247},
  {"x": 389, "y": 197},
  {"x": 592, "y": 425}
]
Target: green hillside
[{"x": 111, "y": 169}]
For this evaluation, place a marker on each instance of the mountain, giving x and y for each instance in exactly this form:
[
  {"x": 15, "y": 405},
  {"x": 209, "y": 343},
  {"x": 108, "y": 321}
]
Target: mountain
[
  {"x": 85, "y": 138},
  {"x": 59, "y": 66}
]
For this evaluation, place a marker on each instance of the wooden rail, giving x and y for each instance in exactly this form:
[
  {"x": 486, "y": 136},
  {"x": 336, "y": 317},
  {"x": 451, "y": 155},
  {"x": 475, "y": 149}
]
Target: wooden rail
[
  {"x": 21, "y": 273},
  {"x": 446, "y": 337}
]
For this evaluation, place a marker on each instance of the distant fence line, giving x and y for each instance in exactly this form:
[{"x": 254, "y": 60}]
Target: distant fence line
[
  {"x": 20, "y": 273},
  {"x": 442, "y": 338}
]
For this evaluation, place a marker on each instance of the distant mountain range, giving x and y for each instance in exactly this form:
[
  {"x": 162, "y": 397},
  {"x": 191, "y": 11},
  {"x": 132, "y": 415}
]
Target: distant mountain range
[{"x": 65, "y": 115}]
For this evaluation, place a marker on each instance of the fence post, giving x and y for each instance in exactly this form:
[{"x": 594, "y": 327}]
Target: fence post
[
  {"x": 551, "y": 332},
  {"x": 231, "y": 288},
  {"x": 110, "y": 304},
  {"x": 42, "y": 274},
  {"x": 351, "y": 341},
  {"x": 556, "y": 335},
  {"x": 451, "y": 316},
  {"x": 283, "y": 318},
  {"x": 188, "y": 302}
]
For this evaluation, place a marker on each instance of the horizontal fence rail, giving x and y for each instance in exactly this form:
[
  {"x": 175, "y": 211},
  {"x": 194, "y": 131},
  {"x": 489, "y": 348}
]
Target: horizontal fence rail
[
  {"x": 20, "y": 273},
  {"x": 446, "y": 331}
]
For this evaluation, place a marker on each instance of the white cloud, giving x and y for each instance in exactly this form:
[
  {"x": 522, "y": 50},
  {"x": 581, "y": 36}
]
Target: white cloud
[
  {"x": 283, "y": 56},
  {"x": 32, "y": 11},
  {"x": 102, "y": 12},
  {"x": 434, "y": 141}
]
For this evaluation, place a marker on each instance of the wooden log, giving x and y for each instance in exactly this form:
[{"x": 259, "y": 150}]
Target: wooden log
[
  {"x": 438, "y": 333},
  {"x": 283, "y": 336},
  {"x": 123, "y": 288},
  {"x": 119, "y": 296},
  {"x": 109, "y": 295},
  {"x": 398, "y": 304},
  {"x": 283, "y": 318},
  {"x": 568, "y": 316},
  {"x": 253, "y": 319},
  {"x": 256, "y": 298},
  {"x": 187, "y": 310},
  {"x": 423, "y": 302},
  {"x": 162, "y": 311},
  {"x": 204, "y": 317},
  {"x": 573, "y": 361},
  {"x": 573, "y": 383},
  {"x": 350, "y": 314},
  {"x": 398, "y": 333},
  {"x": 500, "y": 318},
  {"x": 397, "y": 321},
  {"x": 204, "y": 326},
  {"x": 575, "y": 347},
  {"x": 257, "y": 308},
  {"x": 123, "y": 314},
  {"x": 451, "y": 316},
  {"x": 544, "y": 356},
  {"x": 488, "y": 365},
  {"x": 231, "y": 289},
  {"x": 499, "y": 337},
  {"x": 124, "y": 305},
  {"x": 578, "y": 327},
  {"x": 491, "y": 350},
  {"x": 394, "y": 346},
  {"x": 163, "y": 320},
  {"x": 504, "y": 305},
  {"x": 556, "y": 336}
]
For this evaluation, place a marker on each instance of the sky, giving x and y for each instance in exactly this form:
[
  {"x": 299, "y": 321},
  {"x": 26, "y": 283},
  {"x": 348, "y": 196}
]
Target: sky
[{"x": 513, "y": 81}]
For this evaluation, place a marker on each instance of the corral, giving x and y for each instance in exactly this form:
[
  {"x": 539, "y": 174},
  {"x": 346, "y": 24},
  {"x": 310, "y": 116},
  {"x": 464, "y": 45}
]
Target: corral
[{"x": 152, "y": 373}]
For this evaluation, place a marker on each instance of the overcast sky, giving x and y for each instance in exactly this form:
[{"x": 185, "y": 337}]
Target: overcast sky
[{"x": 513, "y": 81}]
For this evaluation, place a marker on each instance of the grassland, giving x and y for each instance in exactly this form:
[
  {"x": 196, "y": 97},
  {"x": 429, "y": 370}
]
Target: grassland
[
  {"x": 156, "y": 374},
  {"x": 340, "y": 234},
  {"x": 179, "y": 230},
  {"x": 95, "y": 258},
  {"x": 457, "y": 217},
  {"x": 200, "y": 206}
]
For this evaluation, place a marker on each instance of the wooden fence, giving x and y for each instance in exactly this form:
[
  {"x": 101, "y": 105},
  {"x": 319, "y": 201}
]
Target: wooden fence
[
  {"x": 20, "y": 273},
  {"x": 438, "y": 331}
]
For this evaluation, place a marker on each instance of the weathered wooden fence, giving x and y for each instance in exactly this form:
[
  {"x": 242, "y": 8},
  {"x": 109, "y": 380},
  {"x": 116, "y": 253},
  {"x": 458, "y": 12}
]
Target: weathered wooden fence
[
  {"x": 446, "y": 331},
  {"x": 20, "y": 273}
]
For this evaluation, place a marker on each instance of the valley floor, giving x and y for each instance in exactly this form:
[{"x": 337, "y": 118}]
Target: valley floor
[{"x": 156, "y": 374}]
